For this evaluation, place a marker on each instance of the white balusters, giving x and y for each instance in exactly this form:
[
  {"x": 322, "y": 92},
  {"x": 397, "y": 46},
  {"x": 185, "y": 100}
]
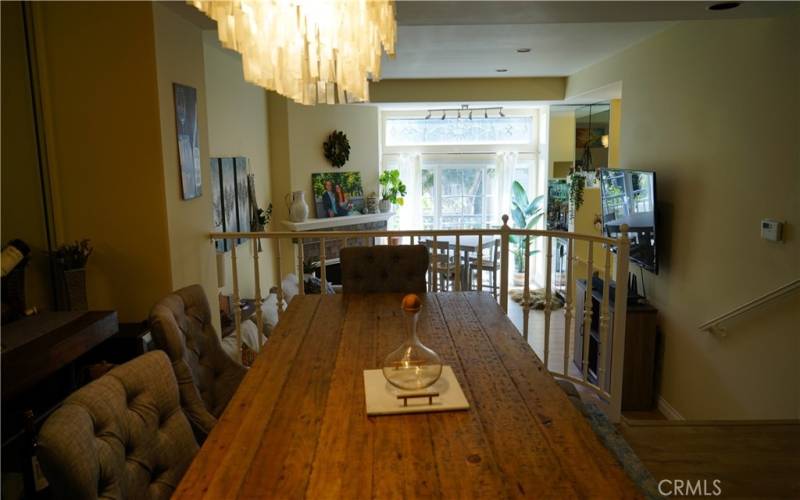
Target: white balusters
[
  {"x": 504, "y": 237},
  {"x": 547, "y": 298},
  {"x": 587, "y": 314},
  {"x": 301, "y": 288},
  {"x": 479, "y": 269},
  {"x": 257, "y": 299},
  {"x": 603, "y": 352},
  {"x": 457, "y": 277},
  {"x": 612, "y": 310},
  {"x": 526, "y": 291},
  {"x": 435, "y": 273},
  {"x": 237, "y": 306},
  {"x": 568, "y": 305},
  {"x": 323, "y": 275},
  {"x": 279, "y": 292}
]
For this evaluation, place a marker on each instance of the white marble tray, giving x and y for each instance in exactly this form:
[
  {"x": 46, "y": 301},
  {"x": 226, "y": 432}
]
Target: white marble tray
[{"x": 381, "y": 396}]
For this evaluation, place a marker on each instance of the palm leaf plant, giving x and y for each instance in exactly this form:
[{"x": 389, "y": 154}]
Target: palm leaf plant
[{"x": 525, "y": 214}]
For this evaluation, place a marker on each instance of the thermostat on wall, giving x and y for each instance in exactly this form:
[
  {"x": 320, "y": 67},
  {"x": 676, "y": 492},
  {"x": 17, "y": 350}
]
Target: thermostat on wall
[{"x": 771, "y": 229}]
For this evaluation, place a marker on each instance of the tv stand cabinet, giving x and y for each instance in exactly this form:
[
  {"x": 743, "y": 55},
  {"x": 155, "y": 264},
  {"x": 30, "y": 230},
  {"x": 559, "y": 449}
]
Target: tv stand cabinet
[{"x": 640, "y": 347}]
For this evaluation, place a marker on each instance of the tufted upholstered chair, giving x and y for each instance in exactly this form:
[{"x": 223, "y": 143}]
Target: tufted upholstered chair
[
  {"x": 207, "y": 377},
  {"x": 384, "y": 269},
  {"x": 122, "y": 436}
]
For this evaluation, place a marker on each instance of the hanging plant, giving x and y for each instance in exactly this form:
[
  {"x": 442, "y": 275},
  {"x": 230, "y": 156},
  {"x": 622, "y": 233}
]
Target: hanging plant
[
  {"x": 337, "y": 149},
  {"x": 577, "y": 181}
]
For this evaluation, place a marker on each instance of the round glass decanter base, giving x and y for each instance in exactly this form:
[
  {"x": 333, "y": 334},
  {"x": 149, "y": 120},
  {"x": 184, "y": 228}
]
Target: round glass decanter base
[
  {"x": 409, "y": 377},
  {"x": 412, "y": 366}
]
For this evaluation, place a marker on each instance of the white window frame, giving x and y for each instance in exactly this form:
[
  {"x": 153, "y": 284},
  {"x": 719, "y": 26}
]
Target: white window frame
[{"x": 457, "y": 153}]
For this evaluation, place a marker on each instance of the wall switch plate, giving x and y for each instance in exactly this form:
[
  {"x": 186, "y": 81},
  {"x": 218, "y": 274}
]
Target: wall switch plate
[{"x": 771, "y": 229}]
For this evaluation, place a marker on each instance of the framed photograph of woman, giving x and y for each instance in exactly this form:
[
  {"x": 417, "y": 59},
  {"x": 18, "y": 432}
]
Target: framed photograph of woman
[{"x": 337, "y": 194}]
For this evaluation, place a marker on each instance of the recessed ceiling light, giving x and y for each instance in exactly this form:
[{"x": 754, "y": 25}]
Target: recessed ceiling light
[
  {"x": 723, "y": 6},
  {"x": 523, "y": 50},
  {"x": 501, "y": 70}
]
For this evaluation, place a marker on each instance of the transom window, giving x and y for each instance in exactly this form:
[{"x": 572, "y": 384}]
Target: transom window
[{"x": 438, "y": 132}]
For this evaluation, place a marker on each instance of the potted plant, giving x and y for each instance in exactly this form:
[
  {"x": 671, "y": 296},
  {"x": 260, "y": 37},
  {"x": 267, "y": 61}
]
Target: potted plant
[
  {"x": 71, "y": 262},
  {"x": 392, "y": 190},
  {"x": 525, "y": 214}
]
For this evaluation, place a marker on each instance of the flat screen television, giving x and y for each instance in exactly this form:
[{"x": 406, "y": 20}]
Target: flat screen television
[{"x": 629, "y": 197}]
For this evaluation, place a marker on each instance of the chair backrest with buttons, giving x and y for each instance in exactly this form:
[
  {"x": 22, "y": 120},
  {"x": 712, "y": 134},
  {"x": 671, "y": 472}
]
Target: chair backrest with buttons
[
  {"x": 122, "y": 436},
  {"x": 378, "y": 269}
]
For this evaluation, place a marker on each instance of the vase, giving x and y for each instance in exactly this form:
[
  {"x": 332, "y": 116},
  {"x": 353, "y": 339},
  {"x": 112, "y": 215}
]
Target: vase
[
  {"x": 298, "y": 209},
  {"x": 75, "y": 290},
  {"x": 372, "y": 204},
  {"x": 385, "y": 206},
  {"x": 412, "y": 366}
]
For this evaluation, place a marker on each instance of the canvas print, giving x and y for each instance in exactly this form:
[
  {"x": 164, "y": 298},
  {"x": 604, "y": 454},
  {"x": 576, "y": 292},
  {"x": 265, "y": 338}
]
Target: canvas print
[
  {"x": 557, "y": 205},
  {"x": 242, "y": 196},
  {"x": 228, "y": 181},
  {"x": 337, "y": 194},
  {"x": 188, "y": 143},
  {"x": 216, "y": 201}
]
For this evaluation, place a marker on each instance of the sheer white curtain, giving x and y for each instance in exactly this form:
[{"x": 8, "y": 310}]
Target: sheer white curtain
[
  {"x": 410, "y": 214},
  {"x": 505, "y": 165}
]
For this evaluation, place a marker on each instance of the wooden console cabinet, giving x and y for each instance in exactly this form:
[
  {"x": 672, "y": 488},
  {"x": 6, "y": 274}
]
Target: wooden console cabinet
[{"x": 638, "y": 377}]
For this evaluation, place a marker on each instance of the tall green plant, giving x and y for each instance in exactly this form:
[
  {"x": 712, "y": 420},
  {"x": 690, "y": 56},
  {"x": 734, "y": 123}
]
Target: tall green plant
[{"x": 525, "y": 214}]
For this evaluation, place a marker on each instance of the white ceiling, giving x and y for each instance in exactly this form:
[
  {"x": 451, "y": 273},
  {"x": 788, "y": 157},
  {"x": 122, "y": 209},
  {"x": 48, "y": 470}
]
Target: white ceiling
[
  {"x": 457, "y": 39},
  {"x": 447, "y": 39},
  {"x": 478, "y": 50}
]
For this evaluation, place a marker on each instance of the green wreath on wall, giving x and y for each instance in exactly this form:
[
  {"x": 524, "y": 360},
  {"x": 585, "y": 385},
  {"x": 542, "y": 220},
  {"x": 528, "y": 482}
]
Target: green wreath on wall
[{"x": 337, "y": 149}]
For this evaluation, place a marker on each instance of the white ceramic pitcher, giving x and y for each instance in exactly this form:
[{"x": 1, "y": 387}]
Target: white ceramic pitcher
[{"x": 298, "y": 209}]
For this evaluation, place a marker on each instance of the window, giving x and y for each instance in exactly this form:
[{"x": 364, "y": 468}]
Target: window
[
  {"x": 463, "y": 194},
  {"x": 457, "y": 183},
  {"x": 437, "y": 132}
]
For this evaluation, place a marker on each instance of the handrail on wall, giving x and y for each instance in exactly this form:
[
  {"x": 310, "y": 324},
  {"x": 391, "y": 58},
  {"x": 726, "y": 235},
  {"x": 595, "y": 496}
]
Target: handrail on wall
[{"x": 714, "y": 327}]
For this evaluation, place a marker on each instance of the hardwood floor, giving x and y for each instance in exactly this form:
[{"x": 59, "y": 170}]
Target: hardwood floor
[{"x": 750, "y": 459}]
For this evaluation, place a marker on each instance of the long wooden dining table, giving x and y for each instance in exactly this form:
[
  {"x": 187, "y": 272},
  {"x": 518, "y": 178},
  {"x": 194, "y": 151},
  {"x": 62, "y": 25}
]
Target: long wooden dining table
[{"x": 297, "y": 426}]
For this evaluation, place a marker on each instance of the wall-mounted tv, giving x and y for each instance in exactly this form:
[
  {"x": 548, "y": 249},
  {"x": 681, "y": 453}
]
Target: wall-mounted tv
[{"x": 629, "y": 197}]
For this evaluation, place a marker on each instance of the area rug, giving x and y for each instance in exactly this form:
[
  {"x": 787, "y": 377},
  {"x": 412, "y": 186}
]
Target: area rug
[
  {"x": 536, "y": 298},
  {"x": 622, "y": 451}
]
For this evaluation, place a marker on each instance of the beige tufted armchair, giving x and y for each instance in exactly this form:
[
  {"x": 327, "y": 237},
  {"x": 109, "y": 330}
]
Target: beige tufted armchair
[
  {"x": 207, "y": 377},
  {"x": 122, "y": 436},
  {"x": 384, "y": 269}
]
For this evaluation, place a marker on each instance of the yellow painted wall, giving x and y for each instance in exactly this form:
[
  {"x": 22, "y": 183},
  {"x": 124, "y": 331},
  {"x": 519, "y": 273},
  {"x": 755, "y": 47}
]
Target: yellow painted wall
[
  {"x": 280, "y": 176},
  {"x": 296, "y": 135},
  {"x": 711, "y": 106},
  {"x": 179, "y": 56},
  {"x": 309, "y": 127},
  {"x": 614, "y": 126},
  {"x": 237, "y": 126},
  {"x": 104, "y": 147},
  {"x": 561, "y": 147},
  {"x": 468, "y": 89},
  {"x": 23, "y": 214}
]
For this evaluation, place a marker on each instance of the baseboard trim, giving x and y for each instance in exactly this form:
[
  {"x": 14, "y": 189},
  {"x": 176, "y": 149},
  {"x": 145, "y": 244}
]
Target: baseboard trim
[{"x": 668, "y": 410}]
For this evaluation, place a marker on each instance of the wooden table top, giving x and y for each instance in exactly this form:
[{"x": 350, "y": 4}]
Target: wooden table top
[{"x": 297, "y": 426}]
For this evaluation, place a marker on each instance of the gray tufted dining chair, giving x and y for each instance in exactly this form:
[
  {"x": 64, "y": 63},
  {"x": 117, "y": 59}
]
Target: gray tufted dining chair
[
  {"x": 122, "y": 436},
  {"x": 384, "y": 269},
  {"x": 207, "y": 377}
]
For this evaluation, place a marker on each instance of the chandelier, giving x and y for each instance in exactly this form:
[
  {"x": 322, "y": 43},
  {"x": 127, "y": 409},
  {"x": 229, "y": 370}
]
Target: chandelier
[{"x": 311, "y": 51}]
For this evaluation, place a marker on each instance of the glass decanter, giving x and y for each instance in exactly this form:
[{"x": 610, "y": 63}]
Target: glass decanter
[{"x": 412, "y": 366}]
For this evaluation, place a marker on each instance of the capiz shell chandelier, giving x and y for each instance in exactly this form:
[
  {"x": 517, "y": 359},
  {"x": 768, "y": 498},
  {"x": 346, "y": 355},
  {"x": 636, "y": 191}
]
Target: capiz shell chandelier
[{"x": 311, "y": 51}]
